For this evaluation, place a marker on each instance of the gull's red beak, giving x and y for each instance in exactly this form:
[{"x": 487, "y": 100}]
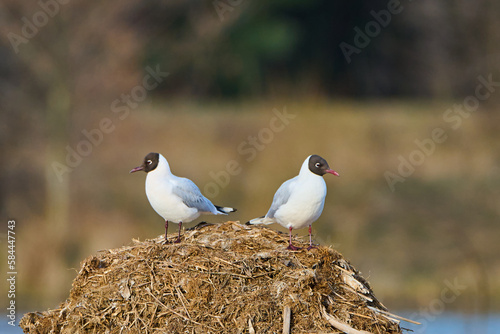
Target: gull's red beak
[
  {"x": 136, "y": 169},
  {"x": 332, "y": 172}
]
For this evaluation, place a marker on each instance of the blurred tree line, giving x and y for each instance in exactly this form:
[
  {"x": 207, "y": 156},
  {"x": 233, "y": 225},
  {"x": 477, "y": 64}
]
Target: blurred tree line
[
  {"x": 242, "y": 48},
  {"x": 238, "y": 48}
]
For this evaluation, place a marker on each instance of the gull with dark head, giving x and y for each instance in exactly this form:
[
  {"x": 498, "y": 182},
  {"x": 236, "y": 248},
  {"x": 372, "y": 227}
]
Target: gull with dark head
[
  {"x": 176, "y": 199},
  {"x": 299, "y": 201}
]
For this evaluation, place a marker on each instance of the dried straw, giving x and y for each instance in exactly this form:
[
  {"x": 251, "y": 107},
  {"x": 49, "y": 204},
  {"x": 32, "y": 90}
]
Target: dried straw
[{"x": 227, "y": 278}]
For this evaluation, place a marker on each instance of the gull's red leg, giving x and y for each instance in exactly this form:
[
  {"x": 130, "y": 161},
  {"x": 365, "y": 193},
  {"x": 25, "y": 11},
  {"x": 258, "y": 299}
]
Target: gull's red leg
[
  {"x": 179, "y": 236},
  {"x": 290, "y": 246},
  {"x": 166, "y": 229},
  {"x": 310, "y": 239}
]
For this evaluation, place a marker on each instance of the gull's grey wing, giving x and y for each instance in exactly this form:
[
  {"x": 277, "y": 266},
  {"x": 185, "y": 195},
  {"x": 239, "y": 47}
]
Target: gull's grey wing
[
  {"x": 191, "y": 195},
  {"x": 281, "y": 197}
]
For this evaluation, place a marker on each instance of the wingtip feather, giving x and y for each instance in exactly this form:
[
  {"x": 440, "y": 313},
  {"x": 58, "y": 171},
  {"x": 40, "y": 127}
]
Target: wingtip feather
[
  {"x": 225, "y": 209},
  {"x": 260, "y": 221}
]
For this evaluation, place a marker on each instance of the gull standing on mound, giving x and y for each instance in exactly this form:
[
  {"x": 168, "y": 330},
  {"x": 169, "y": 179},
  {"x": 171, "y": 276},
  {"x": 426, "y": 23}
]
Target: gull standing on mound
[
  {"x": 300, "y": 200},
  {"x": 176, "y": 199}
]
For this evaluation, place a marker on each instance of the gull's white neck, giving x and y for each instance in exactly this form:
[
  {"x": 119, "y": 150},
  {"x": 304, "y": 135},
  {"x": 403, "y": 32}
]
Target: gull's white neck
[
  {"x": 304, "y": 170},
  {"x": 163, "y": 168}
]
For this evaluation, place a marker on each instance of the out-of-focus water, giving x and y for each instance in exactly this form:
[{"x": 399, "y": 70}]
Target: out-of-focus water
[
  {"x": 453, "y": 323},
  {"x": 450, "y": 323},
  {"x": 5, "y": 328}
]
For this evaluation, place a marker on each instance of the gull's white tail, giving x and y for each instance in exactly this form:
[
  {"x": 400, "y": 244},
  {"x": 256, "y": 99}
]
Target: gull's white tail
[
  {"x": 224, "y": 210},
  {"x": 261, "y": 221}
]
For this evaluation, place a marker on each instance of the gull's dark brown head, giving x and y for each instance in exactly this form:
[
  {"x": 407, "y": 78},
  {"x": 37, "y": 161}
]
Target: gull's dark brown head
[
  {"x": 150, "y": 163},
  {"x": 319, "y": 166}
]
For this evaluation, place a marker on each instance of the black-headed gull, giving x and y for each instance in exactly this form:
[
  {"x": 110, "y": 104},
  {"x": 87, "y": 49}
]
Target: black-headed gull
[
  {"x": 176, "y": 199},
  {"x": 300, "y": 200}
]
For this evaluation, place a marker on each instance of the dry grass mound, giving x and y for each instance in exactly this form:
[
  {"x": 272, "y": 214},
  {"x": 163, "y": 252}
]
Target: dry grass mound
[{"x": 227, "y": 278}]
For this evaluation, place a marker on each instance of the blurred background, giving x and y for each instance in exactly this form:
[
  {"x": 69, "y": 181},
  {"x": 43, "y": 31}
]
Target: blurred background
[{"x": 399, "y": 97}]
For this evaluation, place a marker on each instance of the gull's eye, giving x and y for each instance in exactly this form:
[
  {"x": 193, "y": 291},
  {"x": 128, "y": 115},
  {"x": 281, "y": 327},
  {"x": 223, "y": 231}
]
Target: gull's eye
[
  {"x": 149, "y": 162},
  {"x": 317, "y": 165}
]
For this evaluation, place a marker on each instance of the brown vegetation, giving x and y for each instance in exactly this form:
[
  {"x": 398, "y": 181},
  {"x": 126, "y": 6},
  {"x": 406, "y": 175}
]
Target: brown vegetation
[{"x": 224, "y": 278}]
